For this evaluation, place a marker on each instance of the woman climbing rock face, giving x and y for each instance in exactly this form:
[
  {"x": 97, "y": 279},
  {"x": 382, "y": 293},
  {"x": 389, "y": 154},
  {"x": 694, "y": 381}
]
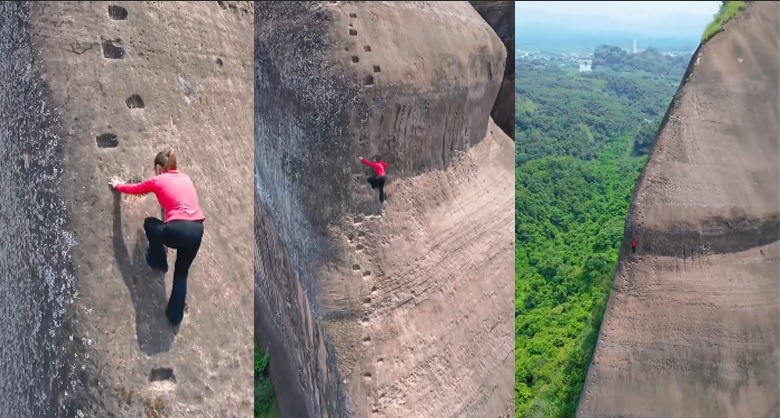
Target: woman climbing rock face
[
  {"x": 377, "y": 181},
  {"x": 181, "y": 230}
]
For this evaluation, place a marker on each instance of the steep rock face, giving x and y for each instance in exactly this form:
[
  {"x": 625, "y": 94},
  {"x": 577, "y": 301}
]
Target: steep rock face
[
  {"x": 94, "y": 89},
  {"x": 405, "y": 314},
  {"x": 500, "y": 15},
  {"x": 693, "y": 321}
]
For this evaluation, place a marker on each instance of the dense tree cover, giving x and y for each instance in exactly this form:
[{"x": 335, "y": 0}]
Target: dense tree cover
[
  {"x": 265, "y": 404},
  {"x": 562, "y": 112},
  {"x": 650, "y": 60},
  {"x": 582, "y": 140}
]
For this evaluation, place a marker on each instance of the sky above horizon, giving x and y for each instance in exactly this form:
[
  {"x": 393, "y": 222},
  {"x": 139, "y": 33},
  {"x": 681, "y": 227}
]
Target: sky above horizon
[{"x": 672, "y": 17}]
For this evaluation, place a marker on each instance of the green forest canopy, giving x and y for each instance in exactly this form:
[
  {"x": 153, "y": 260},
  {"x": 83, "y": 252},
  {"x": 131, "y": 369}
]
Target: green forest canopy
[{"x": 581, "y": 141}]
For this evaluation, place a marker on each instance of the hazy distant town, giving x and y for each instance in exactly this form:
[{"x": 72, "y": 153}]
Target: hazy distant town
[{"x": 583, "y": 60}]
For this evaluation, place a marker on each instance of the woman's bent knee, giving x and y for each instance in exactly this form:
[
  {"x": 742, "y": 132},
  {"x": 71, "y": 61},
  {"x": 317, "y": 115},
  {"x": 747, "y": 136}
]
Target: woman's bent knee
[{"x": 151, "y": 221}]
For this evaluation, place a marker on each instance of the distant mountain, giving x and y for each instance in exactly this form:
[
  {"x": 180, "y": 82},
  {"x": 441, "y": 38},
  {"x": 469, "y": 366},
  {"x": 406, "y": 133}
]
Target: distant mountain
[
  {"x": 575, "y": 41},
  {"x": 536, "y": 29},
  {"x": 529, "y": 19}
]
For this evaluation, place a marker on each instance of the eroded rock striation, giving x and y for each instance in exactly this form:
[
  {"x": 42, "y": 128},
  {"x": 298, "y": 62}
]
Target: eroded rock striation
[{"x": 405, "y": 313}]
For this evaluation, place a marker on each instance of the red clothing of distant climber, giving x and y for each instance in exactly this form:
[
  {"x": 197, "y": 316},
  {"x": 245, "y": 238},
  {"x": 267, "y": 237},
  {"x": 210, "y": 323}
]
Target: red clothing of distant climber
[
  {"x": 174, "y": 191},
  {"x": 379, "y": 166},
  {"x": 633, "y": 243}
]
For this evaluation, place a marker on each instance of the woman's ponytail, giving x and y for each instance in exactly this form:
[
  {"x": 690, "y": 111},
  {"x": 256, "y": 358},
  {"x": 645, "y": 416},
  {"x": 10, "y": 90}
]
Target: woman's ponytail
[
  {"x": 171, "y": 163},
  {"x": 166, "y": 160}
]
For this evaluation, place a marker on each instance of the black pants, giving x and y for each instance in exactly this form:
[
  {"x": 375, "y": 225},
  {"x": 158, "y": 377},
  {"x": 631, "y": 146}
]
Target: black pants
[
  {"x": 185, "y": 237},
  {"x": 378, "y": 183},
  {"x": 633, "y": 250}
]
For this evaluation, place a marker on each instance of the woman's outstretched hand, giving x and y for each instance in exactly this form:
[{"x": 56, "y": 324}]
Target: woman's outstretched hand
[{"x": 114, "y": 181}]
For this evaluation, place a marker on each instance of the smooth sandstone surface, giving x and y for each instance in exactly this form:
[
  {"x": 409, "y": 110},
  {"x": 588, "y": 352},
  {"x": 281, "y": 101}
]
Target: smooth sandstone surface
[
  {"x": 401, "y": 314},
  {"x": 88, "y": 91},
  {"x": 692, "y": 328}
]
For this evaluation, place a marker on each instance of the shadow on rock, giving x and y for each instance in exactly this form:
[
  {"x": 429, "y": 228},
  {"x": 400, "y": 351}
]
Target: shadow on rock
[{"x": 147, "y": 290}]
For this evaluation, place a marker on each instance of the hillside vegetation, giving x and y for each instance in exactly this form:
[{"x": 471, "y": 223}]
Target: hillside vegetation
[
  {"x": 651, "y": 61},
  {"x": 727, "y": 11},
  {"x": 265, "y": 404}
]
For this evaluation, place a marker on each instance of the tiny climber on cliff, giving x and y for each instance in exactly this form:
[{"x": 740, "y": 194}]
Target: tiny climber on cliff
[
  {"x": 377, "y": 181},
  {"x": 182, "y": 229},
  {"x": 633, "y": 245}
]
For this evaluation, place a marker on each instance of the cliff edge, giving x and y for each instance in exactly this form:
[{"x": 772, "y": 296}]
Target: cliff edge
[
  {"x": 500, "y": 15},
  {"x": 692, "y": 327}
]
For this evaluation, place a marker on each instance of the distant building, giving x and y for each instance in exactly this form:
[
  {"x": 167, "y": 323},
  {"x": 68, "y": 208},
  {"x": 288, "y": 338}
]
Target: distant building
[
  {"x": 585, "y": 66},
  {"x": 633, "y": 47}
]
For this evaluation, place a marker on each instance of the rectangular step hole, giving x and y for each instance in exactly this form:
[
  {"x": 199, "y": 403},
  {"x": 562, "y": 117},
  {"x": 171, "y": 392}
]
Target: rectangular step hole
[
  {"x": 107, "y": 140},
  {"x": 162, "y": 374},
  {"x": 117, "y": 12},
  {"x": 112, "y": 51}
]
